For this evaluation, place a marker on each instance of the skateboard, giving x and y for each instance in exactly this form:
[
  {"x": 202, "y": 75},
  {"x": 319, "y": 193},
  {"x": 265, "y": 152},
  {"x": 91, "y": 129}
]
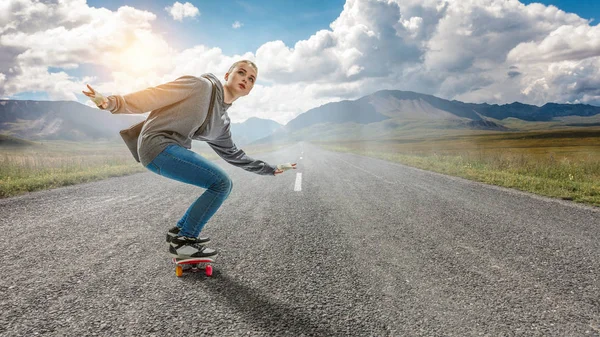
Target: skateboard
[{"x": 197, "y": 264}]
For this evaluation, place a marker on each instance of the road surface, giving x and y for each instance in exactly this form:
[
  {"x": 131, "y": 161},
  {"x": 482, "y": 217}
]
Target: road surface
[{"x": 355, "y": 247}]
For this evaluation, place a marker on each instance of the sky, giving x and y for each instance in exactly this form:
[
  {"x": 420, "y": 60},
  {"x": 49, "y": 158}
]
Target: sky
[{"x": 308, "y": 52}]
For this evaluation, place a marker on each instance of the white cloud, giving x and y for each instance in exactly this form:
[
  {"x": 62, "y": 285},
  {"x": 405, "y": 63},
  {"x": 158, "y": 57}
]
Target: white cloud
[
  {"x": 456, "y": 50},
  {"x": 237, "y": 25},
  {"x": 180, "y": 11},
  {"x": 567, "y": 42},
  {"x": 118, "y": 41},
  {"x": 470, "y": 50}
]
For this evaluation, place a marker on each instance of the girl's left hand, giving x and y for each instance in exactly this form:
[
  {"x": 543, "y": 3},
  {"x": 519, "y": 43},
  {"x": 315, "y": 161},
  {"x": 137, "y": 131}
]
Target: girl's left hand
[{"x": 284, "y": 167}]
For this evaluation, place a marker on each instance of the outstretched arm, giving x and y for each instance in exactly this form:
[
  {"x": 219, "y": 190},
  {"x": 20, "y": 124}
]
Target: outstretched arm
[
  {"x": 226, "y": 149},
  {"x": 148, "y": 99}
]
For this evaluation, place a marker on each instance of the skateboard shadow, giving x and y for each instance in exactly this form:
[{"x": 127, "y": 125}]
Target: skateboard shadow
[{"x": 274, "y": 317}]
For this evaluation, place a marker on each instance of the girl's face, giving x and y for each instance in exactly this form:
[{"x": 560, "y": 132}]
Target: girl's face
[{"x": 241, "y": 79}]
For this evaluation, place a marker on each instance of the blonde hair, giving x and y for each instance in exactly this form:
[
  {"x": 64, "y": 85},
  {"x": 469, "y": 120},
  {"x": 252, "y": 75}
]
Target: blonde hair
[{"x": 248, "y": 62}]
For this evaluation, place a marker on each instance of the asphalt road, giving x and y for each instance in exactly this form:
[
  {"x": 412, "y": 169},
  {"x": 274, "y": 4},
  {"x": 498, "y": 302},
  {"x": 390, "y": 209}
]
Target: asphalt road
[{"x": 366, "y": 247}]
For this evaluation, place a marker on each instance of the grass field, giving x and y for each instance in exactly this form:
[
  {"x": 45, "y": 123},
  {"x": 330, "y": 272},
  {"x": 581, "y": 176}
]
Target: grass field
[
  {"x": 563, "y": 163},
  {"x": 32, "y": 166},
  {"x": 55, "y": 164}
]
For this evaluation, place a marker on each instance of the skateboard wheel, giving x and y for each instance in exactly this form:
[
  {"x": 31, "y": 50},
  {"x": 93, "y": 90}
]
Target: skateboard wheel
[
  {"x": 179, "y": 271},
  {"x": 209, "y": 270}
]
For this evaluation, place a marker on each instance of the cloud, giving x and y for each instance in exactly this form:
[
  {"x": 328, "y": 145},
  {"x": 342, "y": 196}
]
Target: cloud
[
  {"x": 568, "y": 42},
  {"x": 513, "y": 73},
  {"x": 365, "y": 41},
  {"x": 482, "y": 38},
  {"x": 237, "y": 25},
  {"x": 456, "y": 50},
  {"x": 180, "y": 11},
  {"x": 471, "y": 50},
  {"x": 42, "y": 35}
]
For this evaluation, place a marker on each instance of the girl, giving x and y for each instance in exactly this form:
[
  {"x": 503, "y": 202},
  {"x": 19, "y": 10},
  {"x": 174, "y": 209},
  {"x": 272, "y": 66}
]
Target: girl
[{"x": 179, "y": 112}]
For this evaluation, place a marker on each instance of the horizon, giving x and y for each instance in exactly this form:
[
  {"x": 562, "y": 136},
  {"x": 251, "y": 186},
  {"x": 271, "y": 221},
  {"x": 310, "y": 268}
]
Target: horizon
[
  {"x": 308, "y": 54},
  {"x": 262, "y": 118}
]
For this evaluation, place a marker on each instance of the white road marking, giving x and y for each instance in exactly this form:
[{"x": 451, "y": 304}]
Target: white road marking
[{"x": 298, "y": 185}]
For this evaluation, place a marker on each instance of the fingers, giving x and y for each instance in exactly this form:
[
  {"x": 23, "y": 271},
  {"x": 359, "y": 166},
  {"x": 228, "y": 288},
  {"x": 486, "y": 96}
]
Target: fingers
[
  {"x": 91, "y": 93},
  {"x": 280, "y": 171}
]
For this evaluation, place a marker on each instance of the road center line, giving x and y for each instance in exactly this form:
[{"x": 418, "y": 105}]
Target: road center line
[{"x": 298, "y": 185}]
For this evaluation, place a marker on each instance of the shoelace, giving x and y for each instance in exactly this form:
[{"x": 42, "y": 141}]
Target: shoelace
[
  {"x": 193, "y": 242},
  {"x": 198, "y": 246}
]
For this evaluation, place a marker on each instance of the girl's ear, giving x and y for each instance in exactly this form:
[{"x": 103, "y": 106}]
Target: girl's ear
[{"x": 226, "y": 76}]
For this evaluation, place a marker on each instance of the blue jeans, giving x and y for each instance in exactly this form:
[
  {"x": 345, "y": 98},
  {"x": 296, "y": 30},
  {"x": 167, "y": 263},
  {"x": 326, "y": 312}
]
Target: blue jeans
[{"x": 181, "y": 164}]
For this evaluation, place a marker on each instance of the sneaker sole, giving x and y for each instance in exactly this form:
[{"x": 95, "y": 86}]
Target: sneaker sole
[{"x": 191, "y": 258}]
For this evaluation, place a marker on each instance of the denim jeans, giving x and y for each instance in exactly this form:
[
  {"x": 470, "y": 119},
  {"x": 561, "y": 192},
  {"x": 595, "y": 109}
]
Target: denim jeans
[{"x": 181, "y": 164}]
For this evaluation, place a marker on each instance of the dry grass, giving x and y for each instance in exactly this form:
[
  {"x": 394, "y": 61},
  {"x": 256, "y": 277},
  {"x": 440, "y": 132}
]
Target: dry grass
[
  {"x": 58, "y": 163},
  {"x": 563, "y": 164},
  {"x": 55, "y": 164}
]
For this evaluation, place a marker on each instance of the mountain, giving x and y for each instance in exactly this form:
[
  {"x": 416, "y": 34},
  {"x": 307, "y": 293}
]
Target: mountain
[
  {"x": 388, "y": 104},
  {"x": 359, "y": 111},
  {"x": 387, "y": 111},
  {"x": 8, "y": 141},
  {"x": 253, "y": 129},
  {"x": 66, "y": 120}
]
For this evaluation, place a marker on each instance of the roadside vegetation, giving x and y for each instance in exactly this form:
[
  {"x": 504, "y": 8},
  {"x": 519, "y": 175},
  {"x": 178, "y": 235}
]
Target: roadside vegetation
[
  {"x": 562, "y": 164},
  {"x": 45, "y": 165},
  {"x": 27, "y": 166}
]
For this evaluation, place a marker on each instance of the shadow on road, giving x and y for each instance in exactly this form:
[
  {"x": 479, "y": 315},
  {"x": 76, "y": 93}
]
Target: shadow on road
[{"x": 259, "y": 308}]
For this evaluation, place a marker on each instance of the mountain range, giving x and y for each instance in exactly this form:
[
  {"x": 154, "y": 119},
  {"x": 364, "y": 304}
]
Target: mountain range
[{"x": 383, "y": 112}]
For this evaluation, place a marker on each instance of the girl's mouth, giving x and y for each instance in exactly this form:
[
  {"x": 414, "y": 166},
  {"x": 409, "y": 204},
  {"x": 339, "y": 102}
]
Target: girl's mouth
[{"x": 242, "y": 86}]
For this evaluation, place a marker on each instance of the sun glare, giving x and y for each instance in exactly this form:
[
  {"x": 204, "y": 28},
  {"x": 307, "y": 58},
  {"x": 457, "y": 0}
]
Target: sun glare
[{"x": 137, "y": 59}]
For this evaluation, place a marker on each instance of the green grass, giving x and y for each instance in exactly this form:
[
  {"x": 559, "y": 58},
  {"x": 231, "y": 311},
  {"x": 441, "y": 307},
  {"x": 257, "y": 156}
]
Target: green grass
[
  {"x": 45, "y": 165},
  {"x": 562, "y": 164},
  {"x": 33, "y": 166}
]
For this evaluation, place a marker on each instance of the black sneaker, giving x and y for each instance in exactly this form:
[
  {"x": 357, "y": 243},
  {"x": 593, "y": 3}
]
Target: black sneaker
[
  {"x": 173, "y": 232},
  {"x": 183, "y": 247}
]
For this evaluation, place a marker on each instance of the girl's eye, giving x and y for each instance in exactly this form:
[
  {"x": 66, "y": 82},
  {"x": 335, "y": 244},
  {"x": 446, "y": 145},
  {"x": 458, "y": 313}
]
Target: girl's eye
[{"x": 252, "y": 80}]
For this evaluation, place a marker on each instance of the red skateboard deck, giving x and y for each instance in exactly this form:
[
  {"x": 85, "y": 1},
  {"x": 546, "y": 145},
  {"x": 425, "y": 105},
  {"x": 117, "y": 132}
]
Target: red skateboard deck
[{"x": 196, "y": 264}]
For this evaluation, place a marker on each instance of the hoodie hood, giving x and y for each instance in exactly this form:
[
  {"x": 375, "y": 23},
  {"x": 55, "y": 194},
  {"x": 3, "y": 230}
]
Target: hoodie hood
[{"x": 220, "y": 99}]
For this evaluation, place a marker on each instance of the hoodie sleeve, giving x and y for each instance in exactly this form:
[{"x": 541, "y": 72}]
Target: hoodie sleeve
[
  {"x": 154, "y": 97},
  {"x": 227, "y": 150}
]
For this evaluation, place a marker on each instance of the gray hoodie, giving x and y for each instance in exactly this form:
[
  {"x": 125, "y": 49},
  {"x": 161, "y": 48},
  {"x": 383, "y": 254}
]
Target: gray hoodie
[{"x": 177, "y": 110}]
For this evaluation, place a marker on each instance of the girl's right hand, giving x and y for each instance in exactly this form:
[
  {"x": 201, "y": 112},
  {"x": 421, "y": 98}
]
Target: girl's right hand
[
  {"x": 284, "y": 167},
  {"x": 96, "y": 97}
]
